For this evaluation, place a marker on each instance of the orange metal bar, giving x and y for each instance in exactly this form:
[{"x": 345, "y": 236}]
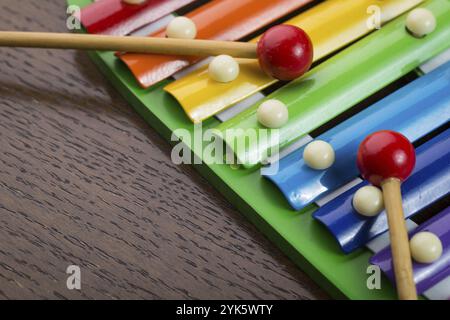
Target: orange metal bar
[{"x": 227, "y": 20}]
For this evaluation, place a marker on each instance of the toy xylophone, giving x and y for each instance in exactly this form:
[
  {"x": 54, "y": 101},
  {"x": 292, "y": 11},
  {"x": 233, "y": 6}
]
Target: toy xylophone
[{"x": 364, "y": 79}]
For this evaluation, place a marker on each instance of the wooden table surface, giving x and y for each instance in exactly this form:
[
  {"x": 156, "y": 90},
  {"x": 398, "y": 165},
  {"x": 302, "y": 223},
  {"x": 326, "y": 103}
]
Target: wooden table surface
[{"x": 85, "y": 181}]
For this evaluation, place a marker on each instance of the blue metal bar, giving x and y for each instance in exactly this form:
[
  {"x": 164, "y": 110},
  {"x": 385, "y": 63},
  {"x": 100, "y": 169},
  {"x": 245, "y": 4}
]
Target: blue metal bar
[{"x": 429, "y": 182}]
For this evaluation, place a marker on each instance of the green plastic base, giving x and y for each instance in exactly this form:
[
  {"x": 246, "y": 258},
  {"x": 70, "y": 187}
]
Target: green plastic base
[{"x": 303, "y": 239}]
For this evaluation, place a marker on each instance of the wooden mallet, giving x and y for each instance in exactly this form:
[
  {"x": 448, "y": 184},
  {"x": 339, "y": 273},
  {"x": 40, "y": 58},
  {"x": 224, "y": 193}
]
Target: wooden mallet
[
  {"x": 386, "y": 158},
  {"x": 285, "y": 52}
]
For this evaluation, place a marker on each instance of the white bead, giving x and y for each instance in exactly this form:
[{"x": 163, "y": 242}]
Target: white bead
[
  {"x": 223, "y": 68},
  {"x": 319, "y": 155},
  {"x": 426, "y": 247},
  {"x": 181, "y": 28},
  {"x": 272, "y": 114},
  {"x": 368, "y": 201},
  {"x": 420, "y": 22},
  {"x": 134, "y": 1}
]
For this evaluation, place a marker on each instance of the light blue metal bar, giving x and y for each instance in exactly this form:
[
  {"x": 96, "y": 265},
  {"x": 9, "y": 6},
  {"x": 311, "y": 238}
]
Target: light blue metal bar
[{"x": 414, "y": 110}]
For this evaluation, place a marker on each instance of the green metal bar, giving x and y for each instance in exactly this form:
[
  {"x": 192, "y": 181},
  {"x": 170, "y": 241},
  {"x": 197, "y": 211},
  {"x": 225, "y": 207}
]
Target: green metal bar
[{"x": 342, "y": 81}]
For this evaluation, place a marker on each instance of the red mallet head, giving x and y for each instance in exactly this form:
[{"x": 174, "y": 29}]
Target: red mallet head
[
  {"x": 386, "y": 154},
  {"x": 285, "y": 52}
]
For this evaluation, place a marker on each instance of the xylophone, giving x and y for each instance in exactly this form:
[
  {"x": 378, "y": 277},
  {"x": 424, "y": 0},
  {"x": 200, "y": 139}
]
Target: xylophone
[{"x": 363, "y": 80}]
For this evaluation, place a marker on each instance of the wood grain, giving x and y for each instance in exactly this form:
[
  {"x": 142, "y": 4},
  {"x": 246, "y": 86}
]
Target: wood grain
[{"x": 85, "y": 181}]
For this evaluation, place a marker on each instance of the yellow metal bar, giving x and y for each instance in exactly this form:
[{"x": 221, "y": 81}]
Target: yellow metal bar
[{"x": 331, "y": 25}]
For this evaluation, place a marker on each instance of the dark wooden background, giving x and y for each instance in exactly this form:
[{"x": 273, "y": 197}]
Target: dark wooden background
[{"x": 85, "y": 181}]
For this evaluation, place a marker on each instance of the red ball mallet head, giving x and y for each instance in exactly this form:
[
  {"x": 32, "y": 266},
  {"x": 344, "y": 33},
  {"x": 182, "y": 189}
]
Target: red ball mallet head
[
  {"x": 285, "y": 52},
  {"x": 386, "y": 154}
]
